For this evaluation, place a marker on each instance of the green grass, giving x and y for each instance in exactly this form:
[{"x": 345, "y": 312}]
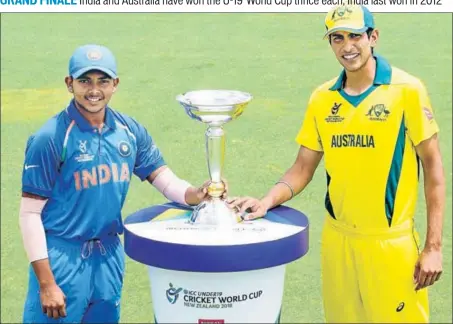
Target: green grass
[{"x": 279, "y": 58}]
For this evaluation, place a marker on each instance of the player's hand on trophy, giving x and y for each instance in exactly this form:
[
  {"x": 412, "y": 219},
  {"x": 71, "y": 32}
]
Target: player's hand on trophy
[
  {"x": 53, "y": 301},
  {"x": 249, "y": 208},
  {"x": 202, "y": 193}
]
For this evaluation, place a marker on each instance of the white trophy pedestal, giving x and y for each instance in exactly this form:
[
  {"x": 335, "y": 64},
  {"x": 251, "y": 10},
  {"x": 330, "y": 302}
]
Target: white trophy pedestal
[{"x": 207, "y": 274}]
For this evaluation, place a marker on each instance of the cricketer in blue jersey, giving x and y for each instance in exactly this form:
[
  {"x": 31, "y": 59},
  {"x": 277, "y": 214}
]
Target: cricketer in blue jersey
[{"x": 76, "y": 175}]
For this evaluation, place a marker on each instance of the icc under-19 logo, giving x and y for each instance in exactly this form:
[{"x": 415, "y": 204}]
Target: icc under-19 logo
[
  {"x": 83, "y": 146},
  {"x": 173, "y": 293}
]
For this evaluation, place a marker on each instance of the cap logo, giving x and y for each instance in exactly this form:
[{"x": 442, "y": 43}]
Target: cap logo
[
  {"x": 340, "y": 11},
  {"x": 94, "y": 55}
]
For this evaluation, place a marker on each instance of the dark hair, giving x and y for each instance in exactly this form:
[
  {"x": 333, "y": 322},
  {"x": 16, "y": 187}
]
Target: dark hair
[{"x": 368, "y": 32}]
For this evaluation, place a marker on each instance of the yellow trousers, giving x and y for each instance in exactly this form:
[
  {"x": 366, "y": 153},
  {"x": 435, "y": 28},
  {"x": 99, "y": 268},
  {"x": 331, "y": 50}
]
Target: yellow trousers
[{"x": 367, "y": 275}]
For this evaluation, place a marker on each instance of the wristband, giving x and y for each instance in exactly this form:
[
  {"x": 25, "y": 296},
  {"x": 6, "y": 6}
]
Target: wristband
[{"x": 289, "y": 186}]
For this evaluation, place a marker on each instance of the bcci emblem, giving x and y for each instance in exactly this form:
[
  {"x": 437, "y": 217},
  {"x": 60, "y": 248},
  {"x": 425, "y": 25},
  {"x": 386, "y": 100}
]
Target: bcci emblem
[
  {"x": 124, "y": 148},
  {"x": 173, "y": 294},
  {"x": 94, "y": 55}
]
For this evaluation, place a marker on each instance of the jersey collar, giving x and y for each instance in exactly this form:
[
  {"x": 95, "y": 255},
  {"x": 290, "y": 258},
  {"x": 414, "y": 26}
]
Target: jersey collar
[
  {"x": 83, "y": 124},
  {"x": 383, "y": 74}
]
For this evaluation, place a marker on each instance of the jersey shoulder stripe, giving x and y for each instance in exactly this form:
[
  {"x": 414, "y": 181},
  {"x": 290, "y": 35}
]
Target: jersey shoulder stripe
[{"x": 52, "y": 133}]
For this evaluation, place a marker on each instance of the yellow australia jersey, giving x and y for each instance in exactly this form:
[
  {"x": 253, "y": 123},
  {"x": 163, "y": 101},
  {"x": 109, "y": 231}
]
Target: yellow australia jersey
[{"x": 369, "y": 146}]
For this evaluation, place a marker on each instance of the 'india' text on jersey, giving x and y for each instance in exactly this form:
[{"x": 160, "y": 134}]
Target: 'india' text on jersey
[{"x": 85, "y": 173}]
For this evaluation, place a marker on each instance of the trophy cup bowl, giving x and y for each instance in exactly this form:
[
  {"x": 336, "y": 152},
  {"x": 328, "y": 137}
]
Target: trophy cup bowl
[{"x": 214, "y": 108}]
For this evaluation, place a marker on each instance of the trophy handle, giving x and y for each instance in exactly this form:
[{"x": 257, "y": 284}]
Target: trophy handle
[{"x": 215, "y": 152}]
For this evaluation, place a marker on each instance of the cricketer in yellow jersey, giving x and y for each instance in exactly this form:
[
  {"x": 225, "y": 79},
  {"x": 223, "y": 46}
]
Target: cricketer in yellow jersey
[{"x": 374, "y": 125}]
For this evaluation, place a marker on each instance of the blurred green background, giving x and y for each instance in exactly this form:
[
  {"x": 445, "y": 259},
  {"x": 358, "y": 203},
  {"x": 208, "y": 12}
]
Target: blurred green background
[{"x": 279, "y": 58}]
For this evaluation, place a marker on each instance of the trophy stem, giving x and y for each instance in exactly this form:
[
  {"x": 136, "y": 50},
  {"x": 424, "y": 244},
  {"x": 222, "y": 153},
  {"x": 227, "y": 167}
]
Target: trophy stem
[
  {"x": 214, "y": 108},
  {"x": 215, "y": 151}
]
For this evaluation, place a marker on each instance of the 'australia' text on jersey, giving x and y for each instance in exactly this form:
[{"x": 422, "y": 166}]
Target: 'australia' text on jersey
[{"x": 352, "y": 140}]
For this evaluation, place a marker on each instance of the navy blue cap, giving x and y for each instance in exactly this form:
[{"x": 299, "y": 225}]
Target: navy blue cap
[{"x": 92, "y": 57}]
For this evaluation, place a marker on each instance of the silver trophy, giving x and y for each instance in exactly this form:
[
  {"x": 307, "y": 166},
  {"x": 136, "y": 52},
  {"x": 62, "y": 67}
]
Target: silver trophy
[{"x": 214, "y": 108}]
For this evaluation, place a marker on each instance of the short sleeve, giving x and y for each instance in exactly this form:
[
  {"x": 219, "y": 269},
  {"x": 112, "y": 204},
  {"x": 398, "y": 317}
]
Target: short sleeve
[
  {"x": 41, "y": 165},
  {"x": 419, "y": 115},
  {"x": 308, "y": 135},
  {"x": 149, "y": 157}
]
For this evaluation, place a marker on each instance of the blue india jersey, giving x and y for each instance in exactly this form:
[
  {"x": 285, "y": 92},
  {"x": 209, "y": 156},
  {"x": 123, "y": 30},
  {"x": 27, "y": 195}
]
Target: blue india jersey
[{"x": 84, "y": 173}]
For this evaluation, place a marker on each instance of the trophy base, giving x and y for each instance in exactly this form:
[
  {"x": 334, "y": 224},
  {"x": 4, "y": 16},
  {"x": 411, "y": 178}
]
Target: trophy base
[{"x": 214, "y": 212}]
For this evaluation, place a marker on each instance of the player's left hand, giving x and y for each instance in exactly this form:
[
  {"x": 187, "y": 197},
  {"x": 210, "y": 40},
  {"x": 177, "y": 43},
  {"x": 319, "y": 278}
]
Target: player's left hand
[{"x": 428, "y": 268}]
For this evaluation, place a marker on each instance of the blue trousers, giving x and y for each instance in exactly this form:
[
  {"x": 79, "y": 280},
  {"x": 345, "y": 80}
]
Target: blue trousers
[{"x": 89, "y": 273}]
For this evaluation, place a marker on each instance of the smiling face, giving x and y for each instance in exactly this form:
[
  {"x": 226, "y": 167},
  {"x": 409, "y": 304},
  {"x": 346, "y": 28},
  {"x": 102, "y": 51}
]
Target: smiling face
[
  {"x": 352, "y": 50},
  {"x": 92, "y": 91}
]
